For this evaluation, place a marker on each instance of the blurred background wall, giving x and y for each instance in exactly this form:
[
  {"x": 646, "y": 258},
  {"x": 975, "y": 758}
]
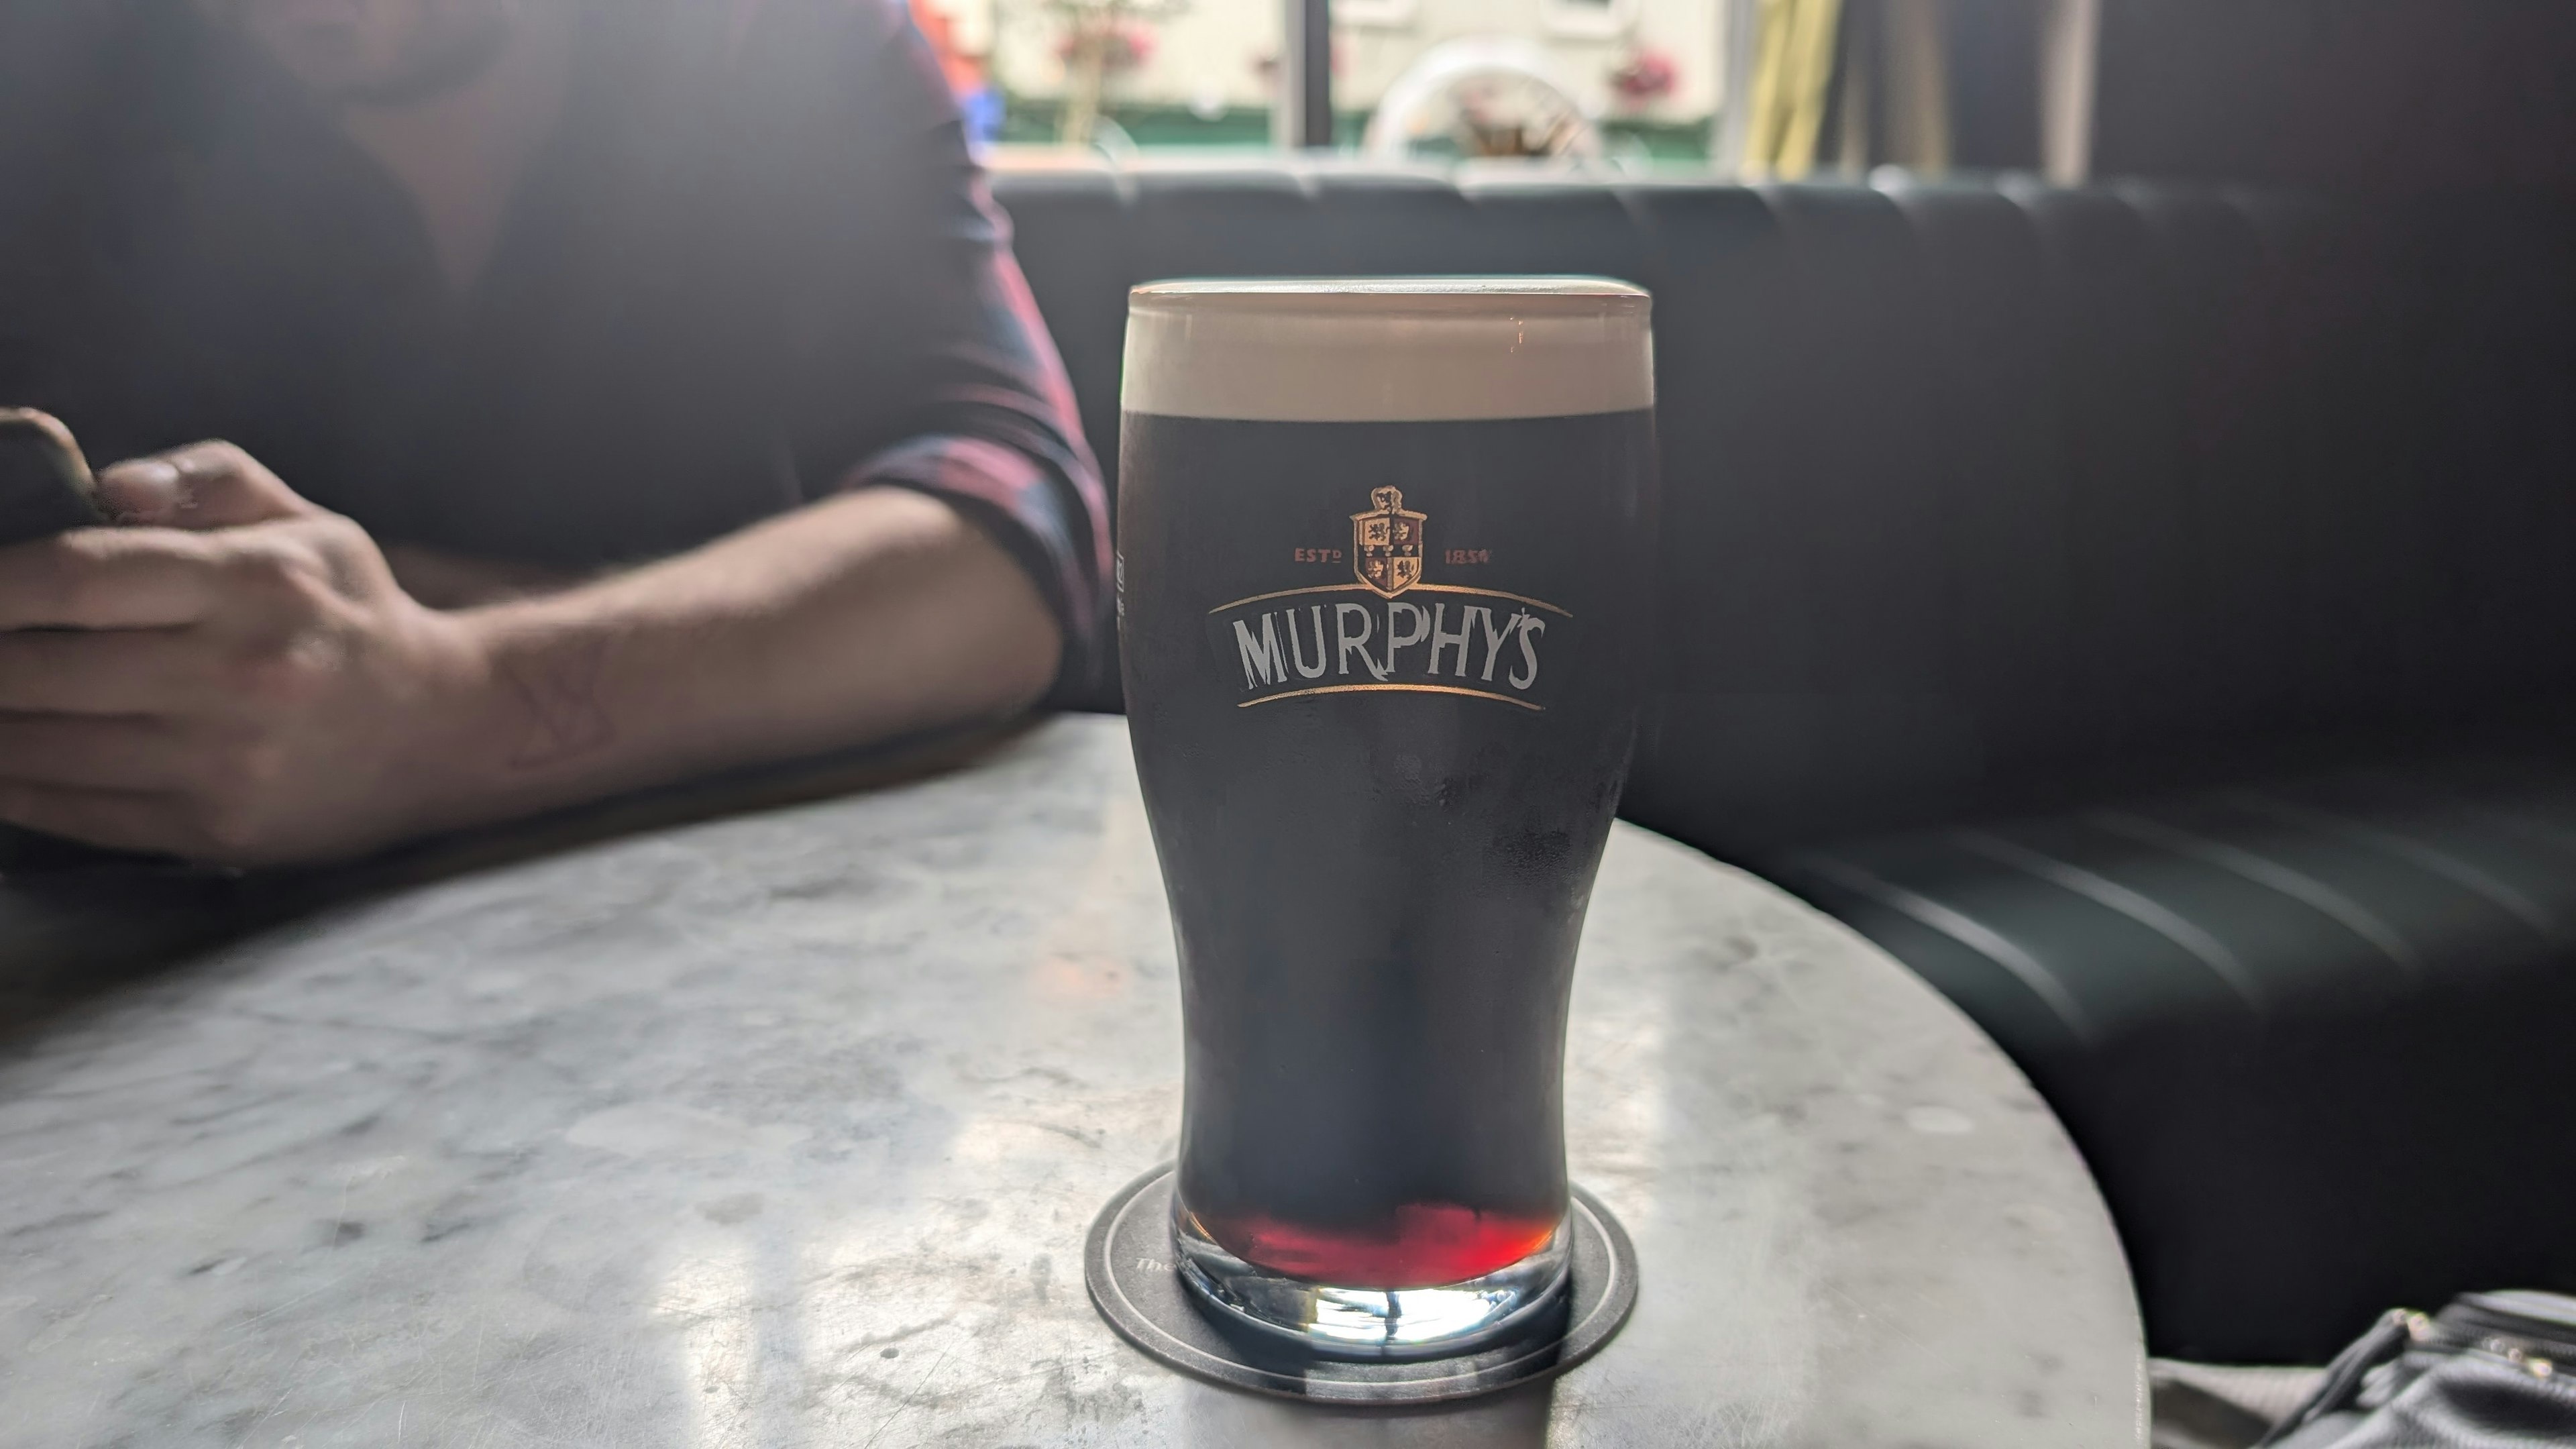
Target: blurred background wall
[{"x": 2380, "y": 94}]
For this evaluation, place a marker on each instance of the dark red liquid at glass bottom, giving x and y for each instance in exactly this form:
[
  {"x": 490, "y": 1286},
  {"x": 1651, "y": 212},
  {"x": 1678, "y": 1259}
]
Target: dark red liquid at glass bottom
[{"x": 1427, "y": 1245}]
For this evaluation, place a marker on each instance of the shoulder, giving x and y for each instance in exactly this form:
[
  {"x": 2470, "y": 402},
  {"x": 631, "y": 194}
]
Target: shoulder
[{"x": 751, "y": 19}]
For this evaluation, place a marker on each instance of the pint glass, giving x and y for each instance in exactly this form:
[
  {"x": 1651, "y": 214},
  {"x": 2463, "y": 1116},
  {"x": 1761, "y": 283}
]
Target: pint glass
[{"x": 1384, "y": 565}]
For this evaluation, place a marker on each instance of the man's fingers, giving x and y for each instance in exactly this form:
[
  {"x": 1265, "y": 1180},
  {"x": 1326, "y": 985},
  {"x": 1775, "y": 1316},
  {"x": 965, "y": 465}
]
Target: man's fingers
[
  {"x": 96, "y": 753},
  {"x": 116, "y": 819},
  {"x": 109, "y": 578},
  {"x": 201, "y": 486},
  {"x": 113, "y": 672}
]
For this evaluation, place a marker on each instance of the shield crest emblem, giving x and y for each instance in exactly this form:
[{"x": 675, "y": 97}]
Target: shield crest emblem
[{"x": 1386, "y": 544}]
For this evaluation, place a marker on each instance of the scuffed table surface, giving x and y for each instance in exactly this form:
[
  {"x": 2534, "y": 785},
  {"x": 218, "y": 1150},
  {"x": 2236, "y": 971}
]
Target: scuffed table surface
[{"x": 785, "y": 1130}]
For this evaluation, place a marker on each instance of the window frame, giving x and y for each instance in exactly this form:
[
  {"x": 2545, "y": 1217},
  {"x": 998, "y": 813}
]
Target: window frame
[
  {"x": 1376, "y": 14},
  {"x": 1582, "y": 20}
]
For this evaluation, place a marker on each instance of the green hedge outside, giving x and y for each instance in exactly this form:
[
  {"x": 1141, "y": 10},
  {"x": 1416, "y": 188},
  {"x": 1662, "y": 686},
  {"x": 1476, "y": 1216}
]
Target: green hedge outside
[{"x": 1031, "y": 121}]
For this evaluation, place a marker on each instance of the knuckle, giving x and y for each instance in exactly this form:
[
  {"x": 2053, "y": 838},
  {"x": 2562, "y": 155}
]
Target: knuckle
[
  {"x": 224, "y": 811},
  {"x": 272, "y": 673},
  {"x": 219, "y": 809},
  {"x": 335, "y": 535},
  {"x": 272, "y": 571},
  {"x": 337, "y": 552},
  {"x": 226, "y": 828},
  {"x": 215, "y": 457}
]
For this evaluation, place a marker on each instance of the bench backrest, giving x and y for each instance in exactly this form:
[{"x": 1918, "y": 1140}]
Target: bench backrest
[{"x": 1975, "y": 494}]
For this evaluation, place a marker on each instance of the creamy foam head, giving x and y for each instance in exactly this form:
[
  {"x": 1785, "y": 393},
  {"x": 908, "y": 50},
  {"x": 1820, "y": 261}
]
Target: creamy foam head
[{"x": 1395, "y": 349}]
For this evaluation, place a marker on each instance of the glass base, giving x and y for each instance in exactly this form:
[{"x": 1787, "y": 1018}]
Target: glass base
[{"x": 1370, "y": 1323}]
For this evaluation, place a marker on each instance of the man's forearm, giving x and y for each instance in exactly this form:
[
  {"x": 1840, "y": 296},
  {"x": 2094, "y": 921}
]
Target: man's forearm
[{"x": 854, "y": 619}]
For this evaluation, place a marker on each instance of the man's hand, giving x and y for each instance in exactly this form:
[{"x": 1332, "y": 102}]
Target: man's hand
[
  {"x": 232, "y": 676},
  {"x": 235, "y": 675}
]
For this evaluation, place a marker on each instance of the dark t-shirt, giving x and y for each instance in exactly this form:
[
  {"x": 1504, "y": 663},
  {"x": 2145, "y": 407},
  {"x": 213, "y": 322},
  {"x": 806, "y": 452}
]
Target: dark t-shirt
[{"x": 753, "y": 265}]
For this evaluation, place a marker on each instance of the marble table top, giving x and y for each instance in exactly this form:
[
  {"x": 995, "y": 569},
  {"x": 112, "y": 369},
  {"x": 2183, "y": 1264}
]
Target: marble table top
[{"x": 785, "y": 1130}]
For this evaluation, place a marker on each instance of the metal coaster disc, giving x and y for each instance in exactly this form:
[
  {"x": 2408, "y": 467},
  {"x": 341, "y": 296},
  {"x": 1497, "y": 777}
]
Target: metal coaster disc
[{"x": 1128, "y": 1266}]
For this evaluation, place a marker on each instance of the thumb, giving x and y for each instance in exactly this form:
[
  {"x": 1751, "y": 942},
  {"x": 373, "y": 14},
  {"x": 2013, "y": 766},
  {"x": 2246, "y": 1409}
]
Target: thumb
[{"x": 200, "y": 486}]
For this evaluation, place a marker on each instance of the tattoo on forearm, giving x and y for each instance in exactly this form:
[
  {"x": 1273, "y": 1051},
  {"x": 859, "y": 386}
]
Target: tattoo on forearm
[{"x": 559, "y": 684}]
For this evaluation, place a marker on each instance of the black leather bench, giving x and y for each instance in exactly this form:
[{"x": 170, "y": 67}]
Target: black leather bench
[{"x": 2149, "y": 613}]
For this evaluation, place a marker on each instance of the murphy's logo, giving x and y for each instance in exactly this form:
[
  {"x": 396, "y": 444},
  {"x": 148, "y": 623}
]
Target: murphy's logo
[
  {"x": 1386, "y": 544},
  {"x": 1392, "y": 631}
]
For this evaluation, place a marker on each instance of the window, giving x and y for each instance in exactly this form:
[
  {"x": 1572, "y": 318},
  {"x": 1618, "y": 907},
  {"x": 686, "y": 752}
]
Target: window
[
  {"x": 1365, "y": 13},
  {"x": 1126, "y": 75},
  {"x": 1622, "y": 81},
  {"x": 1590, "y": 18},
  {"x": 1627, "y": 81}
]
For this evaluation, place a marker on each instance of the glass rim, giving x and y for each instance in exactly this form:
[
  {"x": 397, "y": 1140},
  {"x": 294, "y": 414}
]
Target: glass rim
[
  {"x": 1482, "y": 296},
  {"x": 1388, "y": 349}
]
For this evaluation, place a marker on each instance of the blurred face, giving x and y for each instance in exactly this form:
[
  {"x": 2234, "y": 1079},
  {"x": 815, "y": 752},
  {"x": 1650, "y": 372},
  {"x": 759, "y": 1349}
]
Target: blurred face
[{"x": 376, "y": 51}]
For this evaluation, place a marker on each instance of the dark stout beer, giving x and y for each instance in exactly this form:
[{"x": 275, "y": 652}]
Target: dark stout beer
[{"x": 1384, "y": 590}]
